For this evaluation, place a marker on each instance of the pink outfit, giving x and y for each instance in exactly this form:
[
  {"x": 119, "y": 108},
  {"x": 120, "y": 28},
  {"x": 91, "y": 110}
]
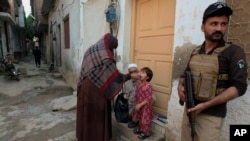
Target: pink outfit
[{"x": 145, "y": 114}]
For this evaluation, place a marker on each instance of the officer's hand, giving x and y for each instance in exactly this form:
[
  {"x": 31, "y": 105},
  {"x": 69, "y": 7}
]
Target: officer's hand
[
  {"x": 197, "y": 109},
  {"x": 181, "y": 90}
]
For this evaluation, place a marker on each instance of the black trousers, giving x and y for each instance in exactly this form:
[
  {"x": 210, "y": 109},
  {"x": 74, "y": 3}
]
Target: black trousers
[{"x": 37, "y": 61}]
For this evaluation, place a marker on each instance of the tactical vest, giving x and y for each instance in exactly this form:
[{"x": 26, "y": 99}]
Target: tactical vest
[{"x": 205, "y": 71}]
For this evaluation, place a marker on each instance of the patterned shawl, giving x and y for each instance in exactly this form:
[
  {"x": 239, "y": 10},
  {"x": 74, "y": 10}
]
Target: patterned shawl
[{"x": 100, "y": 67}]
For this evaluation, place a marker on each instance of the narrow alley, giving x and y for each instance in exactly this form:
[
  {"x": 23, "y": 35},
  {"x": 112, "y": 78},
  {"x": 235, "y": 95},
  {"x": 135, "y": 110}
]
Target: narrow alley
[
  {"x": 27, "y": 107},
  {"x": 159, "y": 34}
]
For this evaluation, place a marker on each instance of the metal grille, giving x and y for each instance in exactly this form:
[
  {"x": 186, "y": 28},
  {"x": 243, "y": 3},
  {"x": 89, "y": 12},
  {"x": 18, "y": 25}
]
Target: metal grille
[{"x": 239, "y": 28}]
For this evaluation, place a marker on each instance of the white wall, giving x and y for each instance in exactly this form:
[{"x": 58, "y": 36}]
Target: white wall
[
  {"x": 21, "y": 16},
  {"x": 125, "y": 8},
  {"x": 188, "y": 20},
  {"x": 87, "y": 25},
  {"x": 69, "y": 56},
  {"x": 95, "y": 26}
]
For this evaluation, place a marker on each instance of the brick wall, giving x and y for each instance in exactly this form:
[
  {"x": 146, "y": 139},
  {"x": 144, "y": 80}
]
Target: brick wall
[{"x": 239, "y": 29}]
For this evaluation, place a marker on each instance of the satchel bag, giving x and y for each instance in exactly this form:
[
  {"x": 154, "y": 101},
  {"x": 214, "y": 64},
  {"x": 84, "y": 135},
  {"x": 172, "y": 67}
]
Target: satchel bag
[{"x": 121, "y": 108}]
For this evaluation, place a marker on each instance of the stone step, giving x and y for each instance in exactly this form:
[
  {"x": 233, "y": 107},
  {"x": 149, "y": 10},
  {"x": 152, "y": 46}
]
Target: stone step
[{"x": 121, "y": 132}]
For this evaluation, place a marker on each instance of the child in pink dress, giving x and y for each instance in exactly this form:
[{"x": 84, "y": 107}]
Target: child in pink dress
[{"x": 143, "y": 111}]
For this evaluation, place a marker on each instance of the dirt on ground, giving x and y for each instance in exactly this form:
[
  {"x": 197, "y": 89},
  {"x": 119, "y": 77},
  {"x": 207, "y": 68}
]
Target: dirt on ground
[
  {"x": 29, "y": 116},
  {"x": 26, "y": 112}
]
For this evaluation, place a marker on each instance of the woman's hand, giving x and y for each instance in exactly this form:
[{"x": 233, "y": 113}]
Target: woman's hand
[{"x": 126, "y": 77}]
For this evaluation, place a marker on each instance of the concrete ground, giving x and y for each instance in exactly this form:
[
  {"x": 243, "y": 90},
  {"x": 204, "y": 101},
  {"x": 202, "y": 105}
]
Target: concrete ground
[{"x": 26, "y": 106}]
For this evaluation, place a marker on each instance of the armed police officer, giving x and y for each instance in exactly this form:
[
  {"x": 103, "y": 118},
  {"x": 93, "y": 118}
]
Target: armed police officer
[{"x": 219, "y": 74}]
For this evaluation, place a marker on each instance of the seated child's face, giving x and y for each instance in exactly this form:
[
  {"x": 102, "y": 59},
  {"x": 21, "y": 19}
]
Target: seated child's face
[{"x": 134, "y": 73}]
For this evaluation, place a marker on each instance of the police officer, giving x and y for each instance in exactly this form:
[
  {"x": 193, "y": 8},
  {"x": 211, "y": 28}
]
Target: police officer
[{"x": 219, "y": 72}]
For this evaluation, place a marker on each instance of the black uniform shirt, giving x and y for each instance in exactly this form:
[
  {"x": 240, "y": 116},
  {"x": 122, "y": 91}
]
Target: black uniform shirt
[{"x": 232, "y": 61}]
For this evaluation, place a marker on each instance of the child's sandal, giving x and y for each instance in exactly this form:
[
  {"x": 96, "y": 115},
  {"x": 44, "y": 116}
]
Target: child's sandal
[
  {"x": 142, "y": 136},
  {"x": 137, "y": 131}
]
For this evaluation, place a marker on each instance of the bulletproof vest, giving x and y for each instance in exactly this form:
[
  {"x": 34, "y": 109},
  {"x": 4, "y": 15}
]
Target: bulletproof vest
[{"x": 205, "y": 72}]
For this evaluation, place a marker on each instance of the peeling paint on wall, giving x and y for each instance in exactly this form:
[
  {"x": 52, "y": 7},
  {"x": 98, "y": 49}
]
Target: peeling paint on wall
[
  {"x": 188, "y": 32},
  {"x": 188, "y": 20},
  {"x": 181, "y": 57}
]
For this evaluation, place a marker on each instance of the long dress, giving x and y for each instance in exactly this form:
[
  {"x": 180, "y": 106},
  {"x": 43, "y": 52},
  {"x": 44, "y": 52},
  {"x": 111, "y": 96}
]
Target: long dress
[
  {"x": 98, "y": 83},
  {"x": 145, "y": 114},
  {"x": 93, "y": 114}
]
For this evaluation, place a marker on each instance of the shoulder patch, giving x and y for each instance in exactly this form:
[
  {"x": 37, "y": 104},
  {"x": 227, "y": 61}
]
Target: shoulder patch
[{"x": 241, "y": 64}]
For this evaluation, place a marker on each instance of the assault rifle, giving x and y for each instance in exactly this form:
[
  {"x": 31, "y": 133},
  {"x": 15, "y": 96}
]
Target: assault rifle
[{"x": 189, "y": 100}]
